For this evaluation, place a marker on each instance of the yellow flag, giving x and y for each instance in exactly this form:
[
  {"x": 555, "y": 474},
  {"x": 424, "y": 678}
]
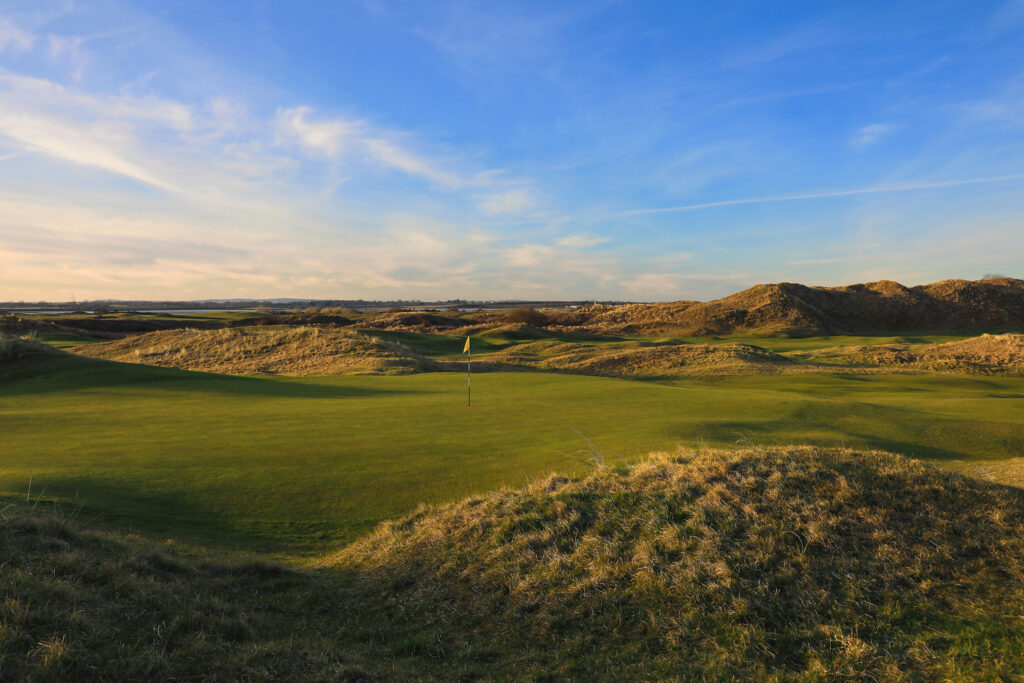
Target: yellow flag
[{"x": 465, "y": 349}]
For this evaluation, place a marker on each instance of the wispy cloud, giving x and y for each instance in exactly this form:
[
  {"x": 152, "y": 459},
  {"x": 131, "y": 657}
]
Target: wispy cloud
[
  {"x": 814, "y": 261},
  {"x": 829, "y": 194},
  {"x": 872, "y": 133},
  {"x": 14, "y": 38},
  {"x": 581, "y": 241},
  {"x": 337, "y": 137},
  {"x": 513, "y": 201}
]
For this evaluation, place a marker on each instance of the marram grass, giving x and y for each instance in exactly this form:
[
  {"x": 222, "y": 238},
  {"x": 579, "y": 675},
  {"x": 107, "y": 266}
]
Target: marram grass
[{"x": 767, "y": 564}]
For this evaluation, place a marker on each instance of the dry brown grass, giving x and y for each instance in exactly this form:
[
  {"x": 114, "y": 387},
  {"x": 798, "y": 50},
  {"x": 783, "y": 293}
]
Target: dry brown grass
[
  {"x": 874, "y": 307},
  {"x": 415, "y": 321},
  {"x": 251, "y": 350},
  {"x": 16, "y": 351},
  {"x": 15, "y": 326},
  {"x": 662, "y": 360},
  {"x": 987, "y": 354},
  {"x": 516, "y": 331},
  {"x": 759, "y": 564}
]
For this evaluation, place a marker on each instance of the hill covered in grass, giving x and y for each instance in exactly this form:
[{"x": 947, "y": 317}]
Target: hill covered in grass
[
  {"x": 276, "y": 350},
  {"x": 669, "y": 359},
  {"x": 752, "y": 564},
  {"x": 871, "y": 308},
  {"x": 793, "y": 563}
]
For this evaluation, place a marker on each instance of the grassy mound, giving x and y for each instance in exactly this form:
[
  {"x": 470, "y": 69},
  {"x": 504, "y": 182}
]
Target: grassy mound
[
  {"x": 416, "y": 321},
  {"x": 790, "y": 308},
  {"x": 517, "y": 331},
  {"x": 673, "y": 360},
  {"x": 15, "y": 326},
  {"x": 752, "y": 564},
  {"x": 653, "y": 360},
  {"x": 250, "y": 350},
  {"x": 80, "y": 604},
  {"x": 17, "y": 351},
  {"x": 987, "y": 354},
  {"x": 793, "y": 563}
]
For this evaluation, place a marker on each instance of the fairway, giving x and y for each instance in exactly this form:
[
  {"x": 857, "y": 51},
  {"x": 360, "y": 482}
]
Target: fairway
[{"x": 293, "y": 466}]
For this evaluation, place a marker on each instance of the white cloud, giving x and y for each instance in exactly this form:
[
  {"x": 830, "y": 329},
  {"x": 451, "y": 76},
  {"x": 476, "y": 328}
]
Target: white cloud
[
  {"x": 872, "y": 133},
  {"x": 654, "y": 285},
  {"x": 327, "y": 137},
  {"x": 96, "y": 146},
  {"x": 815, "y": 261},
  {"x": 68, "y": 48},
  {"x": 581, "y": 241},
  {"x": 394, "y": 156},
  {"x": 830, "y": 194},
  {"x": 511, "y": 202},
  {"x": 336, "y": 137},
  {"x": 529, "y": 255},
  {"x": 14, "y": 38}
]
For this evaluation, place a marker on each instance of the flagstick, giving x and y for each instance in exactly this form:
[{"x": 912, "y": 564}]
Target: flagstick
[{"x": 469, "y": 377}]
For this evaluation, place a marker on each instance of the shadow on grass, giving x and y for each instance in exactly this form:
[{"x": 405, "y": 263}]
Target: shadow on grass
[
  {"x": 71, "y": 373},
  {"x": 898, "y": 430},
  {"x": 134, "y": 508}
]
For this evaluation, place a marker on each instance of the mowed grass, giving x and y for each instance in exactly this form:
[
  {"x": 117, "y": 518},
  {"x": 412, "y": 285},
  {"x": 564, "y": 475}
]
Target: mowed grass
[{"x": 295, "y": 466}]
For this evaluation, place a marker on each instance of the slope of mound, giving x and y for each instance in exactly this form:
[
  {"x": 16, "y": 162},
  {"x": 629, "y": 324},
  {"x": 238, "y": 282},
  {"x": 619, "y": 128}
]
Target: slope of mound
[
  {"x": 247, "y": 350},
  {"x": 987, "y": 354},
  {"x": 15, "y": 326},
  {"x": 294, "y": 319},
  {"x": 533, "y": 354},
  {"x": 16, "y": 352},
  {"x": 517, "y": 331},
  {"x": 415, "y": 321},
  {"x": 672, "y": 359},
  {"x": 78, "y": 604},
  {"x": 660, "y": 360},
  {"x": 875, "y": 307},
  {"x": 735, "y": 565}
]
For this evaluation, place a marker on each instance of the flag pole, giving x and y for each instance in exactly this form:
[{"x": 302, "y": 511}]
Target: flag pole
[{"x": 469, "y": 375}]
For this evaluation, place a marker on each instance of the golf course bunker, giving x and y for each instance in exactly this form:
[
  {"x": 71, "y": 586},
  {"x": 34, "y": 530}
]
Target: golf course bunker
[{"x": 287, "y": 351}]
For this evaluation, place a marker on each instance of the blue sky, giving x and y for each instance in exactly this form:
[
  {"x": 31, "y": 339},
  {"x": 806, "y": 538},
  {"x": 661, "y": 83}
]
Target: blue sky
[{"x": 610, "y": 150}]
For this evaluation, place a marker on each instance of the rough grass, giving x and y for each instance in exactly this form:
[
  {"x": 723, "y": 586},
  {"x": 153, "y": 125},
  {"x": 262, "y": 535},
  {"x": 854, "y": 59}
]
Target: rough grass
[
  {"x": 757, "y": 564},
  {"x": 252, "y": 350},
  {"x": 78, "y": 604},
  {"x": 20, "y": 351},
  {"x": 760, "y": 564},
  {"x": 987, "y": 354},
  {"x": 516, "y": 331},
  {"x": 871, "y": 308},
  {"x": 647, "y": 360}
]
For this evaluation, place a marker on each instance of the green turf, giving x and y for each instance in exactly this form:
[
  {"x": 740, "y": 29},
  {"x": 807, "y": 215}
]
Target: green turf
[{"x": 297, "y": 465}]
